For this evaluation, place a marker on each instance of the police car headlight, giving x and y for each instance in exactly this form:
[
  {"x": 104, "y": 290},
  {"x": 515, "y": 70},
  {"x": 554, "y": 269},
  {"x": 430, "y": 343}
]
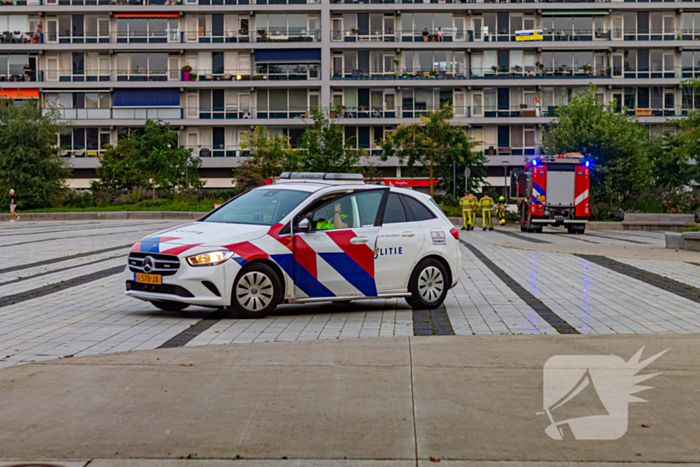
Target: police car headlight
[{"x": 209, "y": 259}]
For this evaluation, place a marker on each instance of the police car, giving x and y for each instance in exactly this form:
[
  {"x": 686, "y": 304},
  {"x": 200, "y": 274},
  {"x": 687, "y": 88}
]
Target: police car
[{"x": 311, "y": 237}]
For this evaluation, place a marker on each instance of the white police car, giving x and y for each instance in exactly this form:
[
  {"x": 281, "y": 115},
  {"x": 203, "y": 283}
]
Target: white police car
[{"x": 311, "y": 237}]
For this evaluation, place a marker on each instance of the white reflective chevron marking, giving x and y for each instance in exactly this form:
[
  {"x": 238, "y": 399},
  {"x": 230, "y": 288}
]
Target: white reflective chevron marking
[{"x": 580, "y": 198}]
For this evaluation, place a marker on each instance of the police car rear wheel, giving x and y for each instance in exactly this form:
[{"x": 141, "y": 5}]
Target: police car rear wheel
[
  {"x": 170, "y": 306},
  {"x": 256, "y": 292},
  {"x": 428, "y": 285}
]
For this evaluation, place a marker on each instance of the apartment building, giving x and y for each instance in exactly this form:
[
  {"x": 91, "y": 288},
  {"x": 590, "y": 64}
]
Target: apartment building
[{"x": 215, "y": 69}]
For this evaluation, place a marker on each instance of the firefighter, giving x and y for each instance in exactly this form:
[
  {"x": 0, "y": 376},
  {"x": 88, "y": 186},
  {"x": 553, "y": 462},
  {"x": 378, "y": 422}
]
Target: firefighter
[
  {"x": 501, "y": 210},
  {"x": 468, "y": 209},
  {"x": 486, "y": 205},
  {"x": 472, "y": 213}
]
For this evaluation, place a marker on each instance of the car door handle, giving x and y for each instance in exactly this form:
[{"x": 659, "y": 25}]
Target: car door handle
[
  {"x": 357, "y": 240},
  {"x": 408, "y": 233}
]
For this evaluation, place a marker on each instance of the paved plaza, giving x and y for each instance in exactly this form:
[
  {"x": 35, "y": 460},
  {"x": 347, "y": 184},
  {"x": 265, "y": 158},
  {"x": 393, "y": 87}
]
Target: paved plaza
[{"x": 61, "y": 294}]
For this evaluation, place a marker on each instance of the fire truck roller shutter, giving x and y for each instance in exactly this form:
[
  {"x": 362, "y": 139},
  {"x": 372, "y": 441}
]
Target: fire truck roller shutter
[{"x": 560, "y": 185}]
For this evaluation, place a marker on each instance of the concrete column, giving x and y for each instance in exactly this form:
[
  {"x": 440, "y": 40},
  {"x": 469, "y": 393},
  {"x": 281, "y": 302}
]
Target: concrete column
[{"x": 326, "y": 62}]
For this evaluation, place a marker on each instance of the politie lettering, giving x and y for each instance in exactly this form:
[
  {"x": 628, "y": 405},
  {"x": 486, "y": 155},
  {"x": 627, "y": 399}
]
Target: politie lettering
[{"x": 388, "y": 251}]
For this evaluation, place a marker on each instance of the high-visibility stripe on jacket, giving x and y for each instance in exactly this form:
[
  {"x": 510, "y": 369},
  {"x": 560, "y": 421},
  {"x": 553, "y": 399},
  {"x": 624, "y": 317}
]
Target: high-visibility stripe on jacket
[
  {"x": 486, "y": 203},
  {"x": 467, "y": 203}
]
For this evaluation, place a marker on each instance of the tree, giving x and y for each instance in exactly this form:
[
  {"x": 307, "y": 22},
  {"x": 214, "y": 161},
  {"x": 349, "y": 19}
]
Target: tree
[
  {"x": 616, "y": 142},
  {"x": 435, "y": 144},
  {"x": 150, "y": 160},
  {"x": 269, "y": 157},
  {"x": 326, "y": 148},
  {"x": 118, "y": 170},
  {"x": 167, "y": 164},
  {"x": 672, "y": 156},
  {"x": 30, "y": 159}
]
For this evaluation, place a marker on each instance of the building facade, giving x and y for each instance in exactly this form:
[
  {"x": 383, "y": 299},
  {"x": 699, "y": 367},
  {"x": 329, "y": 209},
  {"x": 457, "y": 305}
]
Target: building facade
[{"x": 215, "y": 69}]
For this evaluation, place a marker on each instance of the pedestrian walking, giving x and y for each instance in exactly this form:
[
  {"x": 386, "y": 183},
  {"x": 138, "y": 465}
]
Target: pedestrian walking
[
  {"x": 486, "y": 205},
  {"x": 13, "y": 206}
]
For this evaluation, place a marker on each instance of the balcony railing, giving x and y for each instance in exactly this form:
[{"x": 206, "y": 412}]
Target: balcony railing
[
  {"x": 360, "y": 113},
  {"x": 499, "y": 73},
  {"x": 16, "y": 74},
  {"x": 21, "y": 37},
  {"x": 452, "y": 35},
  {"x": 172, "y": 36},
  {"x": 180, "y": 113}
]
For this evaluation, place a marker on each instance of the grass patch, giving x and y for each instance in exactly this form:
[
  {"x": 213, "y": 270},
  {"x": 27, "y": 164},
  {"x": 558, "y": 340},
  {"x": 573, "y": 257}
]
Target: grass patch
[{"x": 158, "y": 205}]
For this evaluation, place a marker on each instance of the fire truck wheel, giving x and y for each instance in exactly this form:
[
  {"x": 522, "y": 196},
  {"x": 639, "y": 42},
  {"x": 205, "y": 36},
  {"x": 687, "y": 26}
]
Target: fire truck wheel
[{"x": 523, "y": 228}]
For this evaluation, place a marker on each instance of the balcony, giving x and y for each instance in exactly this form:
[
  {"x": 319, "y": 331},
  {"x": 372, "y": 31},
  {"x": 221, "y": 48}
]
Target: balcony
[
  {"x": 163, "y": 37},
  {"x": 453, "y": 35},
  {"x": 180, "y": 113},
  {"x": 231, "y": 113},
  {"x": 20, "y": 37}
]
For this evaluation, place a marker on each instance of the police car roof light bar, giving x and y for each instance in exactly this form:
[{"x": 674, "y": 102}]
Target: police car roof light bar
[{"x": 358, "y": 178}]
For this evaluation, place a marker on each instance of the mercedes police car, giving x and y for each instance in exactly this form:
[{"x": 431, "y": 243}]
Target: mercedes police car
[{"x": 311, "y": 237}]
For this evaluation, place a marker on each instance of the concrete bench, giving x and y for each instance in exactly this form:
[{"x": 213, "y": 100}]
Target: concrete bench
[
  {"x": 657, "y": 222},
  {"x": 683, "y": 241}
]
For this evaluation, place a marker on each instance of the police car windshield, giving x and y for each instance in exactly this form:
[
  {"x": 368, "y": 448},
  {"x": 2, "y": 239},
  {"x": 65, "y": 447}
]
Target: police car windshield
[{"x": 259, "y": 207}]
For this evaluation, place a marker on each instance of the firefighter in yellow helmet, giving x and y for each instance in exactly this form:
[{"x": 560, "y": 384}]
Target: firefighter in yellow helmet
[
  {"x": 501, "y": 210},
  {"x": 486, "y": 205},
  {"x": 468, "y": 203}
]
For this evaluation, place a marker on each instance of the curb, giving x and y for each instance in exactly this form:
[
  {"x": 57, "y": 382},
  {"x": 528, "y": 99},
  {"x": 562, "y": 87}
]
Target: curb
[{"x": 105, "y": 215}]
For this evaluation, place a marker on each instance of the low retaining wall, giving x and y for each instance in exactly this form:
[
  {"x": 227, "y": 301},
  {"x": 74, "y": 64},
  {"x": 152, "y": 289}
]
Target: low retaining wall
[
  {"x": 658, "y": 222},
  {"x": 683, "y": 241},
  {"x": 589, "y": 226},
  {"x": 105, "y": 215}
]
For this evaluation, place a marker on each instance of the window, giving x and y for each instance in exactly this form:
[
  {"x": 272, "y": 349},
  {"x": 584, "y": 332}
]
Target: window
[
  {"x": 259, "y": 207},
  {"x": 394, "y": 212},
  {"x": 353, "y": 211},
  {"x": 417, "y": 210}
]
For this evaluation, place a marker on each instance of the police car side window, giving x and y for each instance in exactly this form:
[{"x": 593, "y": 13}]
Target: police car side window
[
  {"x": 394, "y": 212},
  {"x": 420, "y": 212}
]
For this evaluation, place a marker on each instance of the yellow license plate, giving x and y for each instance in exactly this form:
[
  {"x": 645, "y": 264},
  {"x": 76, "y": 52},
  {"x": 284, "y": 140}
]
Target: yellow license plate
[{"x": 149, "y": 278}]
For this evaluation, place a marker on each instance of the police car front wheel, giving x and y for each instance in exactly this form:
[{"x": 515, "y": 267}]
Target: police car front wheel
[
  {"x": 428, "y": 286},
  {"x": 256, "y": 292}
]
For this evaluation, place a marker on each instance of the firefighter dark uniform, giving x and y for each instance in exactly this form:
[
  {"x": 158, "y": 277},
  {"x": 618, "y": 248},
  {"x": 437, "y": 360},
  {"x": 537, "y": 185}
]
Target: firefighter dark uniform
[
  {"x": 501, "y": 211},
  {"x": 486, "y": 205},
  {"x": 468, "y": 210}
]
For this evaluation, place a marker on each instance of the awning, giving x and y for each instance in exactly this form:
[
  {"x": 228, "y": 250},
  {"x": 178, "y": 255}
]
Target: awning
[
  {"x": 573, "y": 12},
  {"x": 287, "y": 55},
  {"x": 19, "y": 93},
  {"x": 146, "y": 98},
  {"x": 146, "y": 15}
]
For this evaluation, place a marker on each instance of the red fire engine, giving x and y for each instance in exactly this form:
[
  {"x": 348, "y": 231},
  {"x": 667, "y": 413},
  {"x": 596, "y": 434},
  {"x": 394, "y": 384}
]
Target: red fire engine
[{"x": 553, "y": 190}]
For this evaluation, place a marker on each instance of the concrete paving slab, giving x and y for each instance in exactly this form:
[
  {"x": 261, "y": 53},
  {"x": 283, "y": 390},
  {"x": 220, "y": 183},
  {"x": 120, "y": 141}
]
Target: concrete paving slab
[
  {"x": 211, "y": 408},
  {"x": 473, "y": 398}
]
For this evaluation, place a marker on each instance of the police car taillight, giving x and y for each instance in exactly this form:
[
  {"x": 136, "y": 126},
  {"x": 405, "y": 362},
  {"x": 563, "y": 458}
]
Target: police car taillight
[{"x": 455, "y": 233}]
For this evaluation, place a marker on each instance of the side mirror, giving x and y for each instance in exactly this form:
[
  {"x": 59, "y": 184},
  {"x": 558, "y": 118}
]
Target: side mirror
[{"x": 303, "y": 225}]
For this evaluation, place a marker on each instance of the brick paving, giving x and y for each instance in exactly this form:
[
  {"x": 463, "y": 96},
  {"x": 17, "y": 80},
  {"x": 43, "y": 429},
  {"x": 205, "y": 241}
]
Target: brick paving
[{"x": 96, "y": 317}]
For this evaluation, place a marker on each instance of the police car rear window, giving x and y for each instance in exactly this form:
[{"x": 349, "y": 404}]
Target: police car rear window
[
  {"x": 420, "y": 212},
  {"x": 259, "y": 207}
]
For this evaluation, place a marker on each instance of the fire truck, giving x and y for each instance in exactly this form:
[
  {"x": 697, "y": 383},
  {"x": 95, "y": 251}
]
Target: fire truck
[{"x": 553, "y": 190}]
